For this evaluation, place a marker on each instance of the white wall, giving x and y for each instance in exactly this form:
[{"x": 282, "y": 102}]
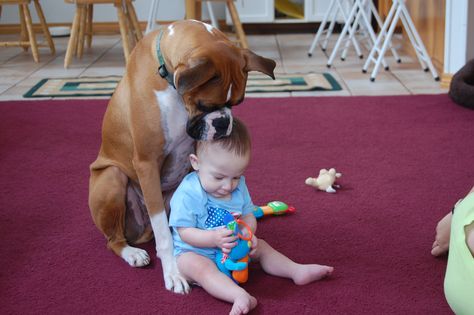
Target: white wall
[
  {"x": 57, "y": 11},
  {"x": 455, "y": 37},
  {"x": 470, "y": 31}
]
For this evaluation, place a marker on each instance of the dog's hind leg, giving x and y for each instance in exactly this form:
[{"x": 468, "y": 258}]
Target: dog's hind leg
[{"x": 107, "y": 201}]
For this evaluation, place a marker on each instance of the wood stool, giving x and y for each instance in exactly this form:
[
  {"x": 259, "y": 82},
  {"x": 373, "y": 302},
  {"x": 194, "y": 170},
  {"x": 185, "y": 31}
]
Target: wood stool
[
  {"x": 82, "y": 26},
  {"x": 27, "y": 34}
]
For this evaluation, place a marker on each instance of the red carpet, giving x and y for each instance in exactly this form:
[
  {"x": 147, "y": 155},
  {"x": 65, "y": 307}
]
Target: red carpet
[{"x": 405, "y": 162}]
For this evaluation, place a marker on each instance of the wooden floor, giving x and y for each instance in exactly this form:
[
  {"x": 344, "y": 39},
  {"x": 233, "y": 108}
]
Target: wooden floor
[{"x": 19, "y": 72}]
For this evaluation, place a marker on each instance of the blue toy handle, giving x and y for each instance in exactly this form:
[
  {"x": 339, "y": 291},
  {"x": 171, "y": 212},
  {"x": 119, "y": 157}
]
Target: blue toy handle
[{"x": 232, "y": 265}]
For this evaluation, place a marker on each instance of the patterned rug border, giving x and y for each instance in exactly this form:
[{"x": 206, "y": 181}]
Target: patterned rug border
[
  {"x": 37, "y": 86},
  {"x": 256, "y": 84}
]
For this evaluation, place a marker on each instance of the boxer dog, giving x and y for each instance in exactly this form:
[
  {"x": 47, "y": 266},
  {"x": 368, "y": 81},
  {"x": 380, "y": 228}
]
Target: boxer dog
[{"x": 179, "y": 86}]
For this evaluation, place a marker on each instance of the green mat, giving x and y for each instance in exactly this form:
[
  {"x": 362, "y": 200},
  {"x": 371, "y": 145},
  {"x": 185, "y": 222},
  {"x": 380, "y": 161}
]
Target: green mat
[{"x": 105, "y": 86}]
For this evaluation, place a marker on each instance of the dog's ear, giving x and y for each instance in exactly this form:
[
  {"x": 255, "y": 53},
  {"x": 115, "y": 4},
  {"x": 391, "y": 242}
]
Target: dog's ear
[
  {"x": 194, "y": 74},
  {"x": 255, "y": 62}
]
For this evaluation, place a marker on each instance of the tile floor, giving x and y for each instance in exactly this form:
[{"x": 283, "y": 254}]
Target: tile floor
[{"x": 18, "y": 71}]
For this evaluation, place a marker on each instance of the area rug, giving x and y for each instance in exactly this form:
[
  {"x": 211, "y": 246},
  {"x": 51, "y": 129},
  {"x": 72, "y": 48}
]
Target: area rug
[
  {"x": 405, "y": 160},
  {"x": 105, "y": 86}
]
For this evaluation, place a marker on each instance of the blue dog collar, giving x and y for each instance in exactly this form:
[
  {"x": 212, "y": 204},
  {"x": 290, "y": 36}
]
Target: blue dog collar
[{"x": 162, "y": 71}]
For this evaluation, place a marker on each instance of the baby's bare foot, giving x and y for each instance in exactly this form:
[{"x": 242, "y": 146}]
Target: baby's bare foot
[
  {"x": 309, "y": 273},
  {"x": 243, "y": 304}
]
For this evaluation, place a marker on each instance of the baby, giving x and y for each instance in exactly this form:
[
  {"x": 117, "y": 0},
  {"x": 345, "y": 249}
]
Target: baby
[{"x": 216, "y": 187}]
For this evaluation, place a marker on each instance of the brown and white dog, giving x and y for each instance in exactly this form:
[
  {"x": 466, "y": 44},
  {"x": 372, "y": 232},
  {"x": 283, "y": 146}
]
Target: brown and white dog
[{"x": 149, "y": 129}]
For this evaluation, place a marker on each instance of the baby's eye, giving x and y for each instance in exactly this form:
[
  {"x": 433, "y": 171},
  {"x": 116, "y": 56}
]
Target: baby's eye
[
  {"x": 218, "y": 178},
  {"x": 237, "y": 178}
]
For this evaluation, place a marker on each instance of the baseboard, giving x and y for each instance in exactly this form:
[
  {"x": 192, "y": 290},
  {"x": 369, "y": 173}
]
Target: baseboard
[{"x": 446, "y": 80}]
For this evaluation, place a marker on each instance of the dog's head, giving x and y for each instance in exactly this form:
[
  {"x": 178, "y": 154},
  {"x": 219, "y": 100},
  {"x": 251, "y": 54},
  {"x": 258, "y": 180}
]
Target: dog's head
[{"x": 210, "y": 73}]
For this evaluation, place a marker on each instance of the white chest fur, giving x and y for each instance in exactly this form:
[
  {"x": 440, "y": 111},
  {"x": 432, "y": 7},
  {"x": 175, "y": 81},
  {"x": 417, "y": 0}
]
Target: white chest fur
[{"x": 178, "y": 144}]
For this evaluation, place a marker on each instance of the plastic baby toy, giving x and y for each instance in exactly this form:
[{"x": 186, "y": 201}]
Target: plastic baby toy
[
  {"x": 235, "y": 264},
  {"x": 273, "y": 208},
  {"x": 325, "y": 181}
]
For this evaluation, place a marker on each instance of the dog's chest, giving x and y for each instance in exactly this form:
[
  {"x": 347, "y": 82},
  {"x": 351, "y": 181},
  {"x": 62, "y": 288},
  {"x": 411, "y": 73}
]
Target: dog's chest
[{"x": 178, "y": 144}]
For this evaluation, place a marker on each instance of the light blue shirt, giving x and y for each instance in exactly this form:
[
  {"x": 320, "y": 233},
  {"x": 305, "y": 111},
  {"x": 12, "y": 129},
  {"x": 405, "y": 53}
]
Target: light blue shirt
[{"x": 191, "y": 206}]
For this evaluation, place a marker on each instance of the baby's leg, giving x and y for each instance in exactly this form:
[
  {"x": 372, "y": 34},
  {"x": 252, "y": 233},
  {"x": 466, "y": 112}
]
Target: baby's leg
[
  {"x": 204, "y": 271},
  {"x": 277, "y": 264}
]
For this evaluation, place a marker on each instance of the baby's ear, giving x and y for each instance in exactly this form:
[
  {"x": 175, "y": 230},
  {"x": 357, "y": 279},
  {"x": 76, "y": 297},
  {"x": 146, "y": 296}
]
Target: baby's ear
[{"x": 194, "y": 161}]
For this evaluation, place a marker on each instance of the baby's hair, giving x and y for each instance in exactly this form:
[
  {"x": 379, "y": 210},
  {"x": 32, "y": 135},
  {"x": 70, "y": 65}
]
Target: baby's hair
[{"x": 237, "y": 142}]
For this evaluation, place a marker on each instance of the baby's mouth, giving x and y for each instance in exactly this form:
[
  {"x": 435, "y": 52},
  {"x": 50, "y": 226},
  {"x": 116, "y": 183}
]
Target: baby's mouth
[{"x": 221, "y": 194}]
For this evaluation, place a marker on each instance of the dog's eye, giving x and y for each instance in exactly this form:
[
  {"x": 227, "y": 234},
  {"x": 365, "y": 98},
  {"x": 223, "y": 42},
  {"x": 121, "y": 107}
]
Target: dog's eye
[{"x": 215, "y": 78}]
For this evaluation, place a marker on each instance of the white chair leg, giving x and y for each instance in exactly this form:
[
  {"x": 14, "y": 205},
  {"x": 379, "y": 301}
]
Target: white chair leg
[
  {"x": 386, "y": 42},
  {"x": 211, "y": 15},
  {"x": 352, "y": 32},
  {"x": 368, "y": 27},
  {"x": 376, "y": 47},
  {"x": 376, "y": 15},
  {"x": 347, "y": 29},
  {"x": 417, "y": 42},
  {"x": 150, "y": 26},
  {"x": 399, "y": 11},
  {"x": 413, "y": 42},
  {"x": 329, "y": 31},
  {"x": 322, "y": 26},
  {"x": 352, "y": 37}
]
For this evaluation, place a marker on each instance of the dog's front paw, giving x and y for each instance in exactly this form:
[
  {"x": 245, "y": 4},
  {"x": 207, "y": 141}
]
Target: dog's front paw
[
  {"x": 174, "y": 281},
  {"x": 135, "y": 257}
]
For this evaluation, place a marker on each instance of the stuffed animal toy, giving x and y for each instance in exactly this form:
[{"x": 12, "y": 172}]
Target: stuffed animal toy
[
  {"x": 325, "y": 181},
  {"x": 235, "y": 264}
]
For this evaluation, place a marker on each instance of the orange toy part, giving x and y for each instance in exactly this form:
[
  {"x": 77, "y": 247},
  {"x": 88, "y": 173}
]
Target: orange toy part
[{"x": 241, "y": 276}]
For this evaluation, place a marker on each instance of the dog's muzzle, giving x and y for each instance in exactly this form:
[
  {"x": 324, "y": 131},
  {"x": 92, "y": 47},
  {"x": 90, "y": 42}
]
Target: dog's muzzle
[{"x": 210, "y": 126}]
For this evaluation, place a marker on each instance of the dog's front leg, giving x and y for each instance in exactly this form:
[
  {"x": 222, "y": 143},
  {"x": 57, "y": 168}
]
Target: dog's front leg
[{"x": 149, "y": 178}]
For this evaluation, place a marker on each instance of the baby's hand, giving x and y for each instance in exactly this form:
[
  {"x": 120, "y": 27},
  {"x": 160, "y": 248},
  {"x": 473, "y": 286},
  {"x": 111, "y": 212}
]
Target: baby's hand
[{"x": 224, "y": 239}]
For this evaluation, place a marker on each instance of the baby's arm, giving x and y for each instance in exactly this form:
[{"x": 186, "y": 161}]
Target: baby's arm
[
  {"x": 222, "y": 237},
  {"x": 443, "y": 229},
  {"x": 251, "y": 221}
]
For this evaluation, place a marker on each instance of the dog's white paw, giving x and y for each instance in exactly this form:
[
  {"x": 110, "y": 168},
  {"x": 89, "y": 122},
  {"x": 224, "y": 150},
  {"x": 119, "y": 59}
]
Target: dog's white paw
[
  {"x": 135, "y": 257},
  {"x": 174, "y": 281}
]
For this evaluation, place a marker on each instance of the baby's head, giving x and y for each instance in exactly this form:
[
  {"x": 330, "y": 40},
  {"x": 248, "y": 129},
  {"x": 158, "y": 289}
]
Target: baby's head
[{"x": 220, "y": 163}]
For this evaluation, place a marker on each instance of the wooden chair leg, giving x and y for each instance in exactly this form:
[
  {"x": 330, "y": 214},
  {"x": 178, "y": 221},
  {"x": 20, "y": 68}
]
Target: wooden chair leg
[
  {"x": 134, "y": 21},
  {"x": 46, "y": 32},
  {"x": 78, "y": 26},
  {"x": 131, "y": 34},
  {"x": 24, "y": 30},
  {"x": 123, "y": 31},
  {"x": 238, "y": 26},
  {"x": 193, "y": 9},
  {"x": 31, "y": 33},
  {"x": 71, "y": 46},
  {"x": 82, "y": 29},
  {"x": 90, "y": 13}
]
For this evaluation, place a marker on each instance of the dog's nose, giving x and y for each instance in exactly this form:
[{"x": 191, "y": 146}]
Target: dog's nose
[
  {"x": 221, "y": 126},
  {"x": 211, "y": 126}
]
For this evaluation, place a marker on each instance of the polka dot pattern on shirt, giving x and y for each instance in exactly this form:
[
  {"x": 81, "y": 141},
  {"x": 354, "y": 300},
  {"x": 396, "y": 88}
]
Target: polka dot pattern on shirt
[{"x": 215, "y": 217}]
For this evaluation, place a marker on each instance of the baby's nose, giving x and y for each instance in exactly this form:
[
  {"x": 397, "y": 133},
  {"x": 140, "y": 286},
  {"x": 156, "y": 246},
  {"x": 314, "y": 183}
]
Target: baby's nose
[{"x": 227, "y": 185}]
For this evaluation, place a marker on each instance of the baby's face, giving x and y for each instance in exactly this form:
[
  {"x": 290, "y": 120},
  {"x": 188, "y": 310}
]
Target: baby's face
[{"x": 219, "y": 170}]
